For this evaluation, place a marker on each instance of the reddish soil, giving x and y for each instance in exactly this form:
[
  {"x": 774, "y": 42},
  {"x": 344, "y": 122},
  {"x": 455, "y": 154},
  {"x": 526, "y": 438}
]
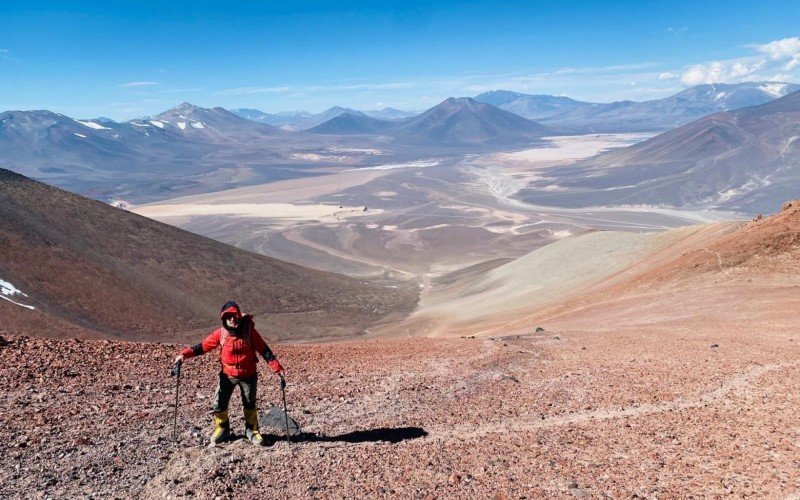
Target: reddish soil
[{"x": 674, "y": 413}]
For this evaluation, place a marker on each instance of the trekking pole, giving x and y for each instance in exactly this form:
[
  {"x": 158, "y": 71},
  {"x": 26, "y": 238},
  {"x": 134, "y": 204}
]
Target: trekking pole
[
  {"x": 285, "y": 411},
  {"x": 176, "y": 372}
]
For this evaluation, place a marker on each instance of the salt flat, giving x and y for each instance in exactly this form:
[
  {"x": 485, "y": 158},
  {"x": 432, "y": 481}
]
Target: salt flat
[
  {"x": 425, "y": 218},
  {"x": 277, "y": 211}
]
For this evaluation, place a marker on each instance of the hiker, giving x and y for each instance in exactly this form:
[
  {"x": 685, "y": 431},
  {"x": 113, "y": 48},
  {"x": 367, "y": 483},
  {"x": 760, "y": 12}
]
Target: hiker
[{"x": 239, "y": 344}]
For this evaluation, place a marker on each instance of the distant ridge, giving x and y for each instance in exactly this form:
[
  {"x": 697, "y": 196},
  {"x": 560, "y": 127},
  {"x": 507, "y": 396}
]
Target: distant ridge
[
  {"x": 744, "y": 160},
  {"x": 533, "y": 107},
  {"x": 183, "y": 150},
  {"x": 455, "y": 122},
  {"x": 295, "y": 120},
  {"x": 630, "y": 116},
  {"x": 349, "y": 124}
]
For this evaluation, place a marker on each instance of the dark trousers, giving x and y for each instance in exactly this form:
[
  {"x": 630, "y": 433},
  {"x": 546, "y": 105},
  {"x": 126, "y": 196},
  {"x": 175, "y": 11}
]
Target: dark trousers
[{"x": 225, "y": 386}]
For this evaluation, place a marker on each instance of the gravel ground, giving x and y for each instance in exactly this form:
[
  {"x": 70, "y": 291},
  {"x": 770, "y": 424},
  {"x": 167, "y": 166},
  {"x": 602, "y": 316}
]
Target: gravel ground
[{"x": 573, "y": 413}]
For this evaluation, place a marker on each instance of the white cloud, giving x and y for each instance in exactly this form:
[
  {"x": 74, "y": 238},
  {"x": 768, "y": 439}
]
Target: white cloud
[
  {"x": 682, "y": 29},
  {"x": 775, "y": 60},
  {"x": 779, "y": 50},
  {"x": 139, "y": 84},
  {"x": 5, "y": 54},
  {"x": 667, "y": 76}
]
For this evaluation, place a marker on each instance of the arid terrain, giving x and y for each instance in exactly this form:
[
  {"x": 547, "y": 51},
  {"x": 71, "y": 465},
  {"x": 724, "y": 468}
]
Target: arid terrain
[
  {"x": 512, "y": 350},
  {"x": 499, "y": 250},
  {"x": 424, "y": 219},
  {"x": 663, "y": 413},
  {"x": 678, "y": 378}
]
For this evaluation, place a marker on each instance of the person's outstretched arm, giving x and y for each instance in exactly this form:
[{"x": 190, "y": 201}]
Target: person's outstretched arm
[
  {"x": 208, "y": 344},
  {"x": 262, "y": 348}
]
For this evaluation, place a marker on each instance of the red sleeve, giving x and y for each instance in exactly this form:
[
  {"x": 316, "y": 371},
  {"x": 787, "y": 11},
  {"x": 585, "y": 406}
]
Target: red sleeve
[
  {"x": 262, "y": 348},
  {"x": 258, "y": 342},
  {"x": 208, "y": 344}
]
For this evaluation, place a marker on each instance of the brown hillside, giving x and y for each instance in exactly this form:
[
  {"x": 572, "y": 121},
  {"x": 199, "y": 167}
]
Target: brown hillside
[
  {"x": 745, "y": 274},
  {"x": 93, "y": 270},
  {"x": 765, "y": 246}
]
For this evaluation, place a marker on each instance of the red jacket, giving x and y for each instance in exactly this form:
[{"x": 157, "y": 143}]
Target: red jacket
[{"x": 239, "y": 350}]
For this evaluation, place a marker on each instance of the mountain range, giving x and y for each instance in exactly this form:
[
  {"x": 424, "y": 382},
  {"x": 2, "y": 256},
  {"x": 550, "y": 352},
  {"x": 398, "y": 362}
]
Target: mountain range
[
  {"x": 185, "y": 149},
  {"x": 455, "y": 122},
  {"x": 559, "y": 112},
  {"x": 303, "y": 120},
  {"x": 745, "y": 160},
  {"x": 189, "y": 149},
  {"x": 629, "y": 116}
]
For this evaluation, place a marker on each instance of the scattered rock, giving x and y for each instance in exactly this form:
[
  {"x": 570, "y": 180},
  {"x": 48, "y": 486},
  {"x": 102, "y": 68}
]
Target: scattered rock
[
  {"x": 578, "y": 492},
  {"x": 714, "y": 346},
  {"x": 539, "y": 329},
  {"x": 83, "y": 441},
  {"x": 454, "y": 479}
]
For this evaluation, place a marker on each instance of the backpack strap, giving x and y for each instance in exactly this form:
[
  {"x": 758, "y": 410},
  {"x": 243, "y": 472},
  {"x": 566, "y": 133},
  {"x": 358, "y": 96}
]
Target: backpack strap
[{"x": 223, "y": 337}]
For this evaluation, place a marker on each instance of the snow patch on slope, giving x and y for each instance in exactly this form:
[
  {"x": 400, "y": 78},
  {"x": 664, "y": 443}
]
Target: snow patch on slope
[
  {"x": 8, "y": 290},
  {"x": 774, "y": 89},
  {"x": 93, "y": 125}
]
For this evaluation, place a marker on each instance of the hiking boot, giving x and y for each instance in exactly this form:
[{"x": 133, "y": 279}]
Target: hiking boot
[
  {"x": 222, "y": 429},
  {"x": 251, "y": 427},
  {"x": 255, "y": 437}
]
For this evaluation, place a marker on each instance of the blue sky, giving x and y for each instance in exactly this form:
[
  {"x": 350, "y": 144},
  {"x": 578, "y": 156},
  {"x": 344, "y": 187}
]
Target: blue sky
[{"x": 126, "y": 59}]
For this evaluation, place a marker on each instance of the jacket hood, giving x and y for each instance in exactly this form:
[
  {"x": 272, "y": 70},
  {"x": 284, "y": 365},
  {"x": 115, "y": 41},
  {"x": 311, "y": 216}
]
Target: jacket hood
[{"x": 230, "y": 307}]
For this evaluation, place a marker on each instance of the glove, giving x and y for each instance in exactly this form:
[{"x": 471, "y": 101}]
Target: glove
[{"x": 275, "y": 366}]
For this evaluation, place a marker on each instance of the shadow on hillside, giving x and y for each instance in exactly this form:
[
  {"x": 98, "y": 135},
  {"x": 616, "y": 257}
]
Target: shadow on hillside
[{"x": 387, "y": 434}]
